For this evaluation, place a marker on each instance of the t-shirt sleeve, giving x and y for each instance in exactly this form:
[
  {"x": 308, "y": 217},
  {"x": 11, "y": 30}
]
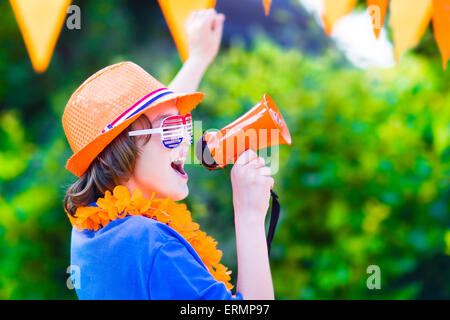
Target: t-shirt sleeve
[{"x": 177, "y": 275}]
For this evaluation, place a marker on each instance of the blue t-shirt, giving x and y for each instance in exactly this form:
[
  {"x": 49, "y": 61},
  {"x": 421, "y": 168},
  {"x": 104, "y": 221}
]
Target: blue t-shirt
[{"x": 140, "y": 258}]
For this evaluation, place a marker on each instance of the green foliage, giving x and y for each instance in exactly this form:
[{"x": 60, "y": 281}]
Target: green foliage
[
  {"x": 15, "y": 152},
  {"x": 366, "y": 180}
]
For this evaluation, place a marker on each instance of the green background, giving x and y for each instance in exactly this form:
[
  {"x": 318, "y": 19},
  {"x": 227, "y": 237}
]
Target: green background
[{"x": 365, "y": 182}]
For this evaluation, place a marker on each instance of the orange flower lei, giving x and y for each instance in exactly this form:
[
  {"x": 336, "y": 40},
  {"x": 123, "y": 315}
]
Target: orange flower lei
[{"x": 120, "y": 203}]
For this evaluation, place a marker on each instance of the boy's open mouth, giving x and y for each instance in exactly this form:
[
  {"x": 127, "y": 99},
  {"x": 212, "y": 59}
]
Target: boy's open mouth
[{"x": 177, "y": 166}]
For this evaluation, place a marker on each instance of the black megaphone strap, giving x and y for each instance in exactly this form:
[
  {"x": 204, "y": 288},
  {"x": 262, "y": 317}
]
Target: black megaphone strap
[{"x": 274, "y": 215}]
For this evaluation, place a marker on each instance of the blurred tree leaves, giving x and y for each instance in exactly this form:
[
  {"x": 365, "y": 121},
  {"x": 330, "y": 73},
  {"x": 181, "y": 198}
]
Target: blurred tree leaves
[
  {"x": 15, "y": 151},
  {"x": 366, "y": 175}
]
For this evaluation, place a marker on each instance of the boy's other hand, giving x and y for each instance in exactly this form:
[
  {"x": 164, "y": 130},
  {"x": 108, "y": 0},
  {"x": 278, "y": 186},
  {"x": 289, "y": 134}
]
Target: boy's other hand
[{"x": 204, "y": 31}]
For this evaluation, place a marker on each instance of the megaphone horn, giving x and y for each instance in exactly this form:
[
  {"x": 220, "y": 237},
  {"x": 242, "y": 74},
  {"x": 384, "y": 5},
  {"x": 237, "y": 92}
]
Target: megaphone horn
[{"x": 261, "y": 127}]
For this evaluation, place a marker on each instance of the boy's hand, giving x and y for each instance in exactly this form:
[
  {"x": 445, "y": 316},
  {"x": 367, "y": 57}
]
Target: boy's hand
[
  {"x": 204, "y": 31},
  {"x": 251, "y": 182}
]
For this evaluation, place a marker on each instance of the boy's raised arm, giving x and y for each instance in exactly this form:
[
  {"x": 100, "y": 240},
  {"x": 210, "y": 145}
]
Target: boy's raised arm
[{"x": 204, "y": 30}]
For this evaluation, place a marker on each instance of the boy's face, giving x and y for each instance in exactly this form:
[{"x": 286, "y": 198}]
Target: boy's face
[{"x": 158, "y": 168}]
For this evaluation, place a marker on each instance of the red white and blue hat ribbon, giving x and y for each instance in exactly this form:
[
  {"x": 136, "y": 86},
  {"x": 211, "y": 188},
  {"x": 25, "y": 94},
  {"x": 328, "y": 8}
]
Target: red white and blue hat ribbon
[{"x": 138, "y": 106}]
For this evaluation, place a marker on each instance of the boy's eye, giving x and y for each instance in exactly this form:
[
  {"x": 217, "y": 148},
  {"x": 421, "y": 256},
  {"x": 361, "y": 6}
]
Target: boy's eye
[
  {"x": 172, "y": 128},
  {"x": 175, "y": 126}
]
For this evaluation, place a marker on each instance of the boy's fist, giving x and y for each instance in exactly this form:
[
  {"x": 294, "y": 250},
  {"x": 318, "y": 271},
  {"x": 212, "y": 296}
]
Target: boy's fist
[
  {"x": 204, "y": 31},
  {"x": 251, "y": 182}
]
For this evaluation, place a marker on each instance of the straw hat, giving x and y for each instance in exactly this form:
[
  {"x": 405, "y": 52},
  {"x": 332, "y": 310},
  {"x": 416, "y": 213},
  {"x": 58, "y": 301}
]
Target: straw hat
[{"x": 107, "y": 103}]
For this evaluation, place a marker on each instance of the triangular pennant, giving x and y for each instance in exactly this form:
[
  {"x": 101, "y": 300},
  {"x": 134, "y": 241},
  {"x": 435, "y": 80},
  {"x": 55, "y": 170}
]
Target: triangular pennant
[
  {"x": 409, "y": 20},
  {"x": 441, "y": 24},
  {"x": 335, "y": 10},
  {"x": 176, "y": 13},
  {"x": 267, "y": 4},
  {"x": 377, "y": 10},
  {"x": 40, "y": 22}
]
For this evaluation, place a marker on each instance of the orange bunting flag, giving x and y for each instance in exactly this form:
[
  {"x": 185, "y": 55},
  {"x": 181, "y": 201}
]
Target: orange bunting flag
[
  {"x": 40, "y": 22},
  {"x": 441, "y": 24},
  {"x": 409, "y": 20},
  {"x": 267, "y": 4},
  {"x": 335, "y": 10},
  {"x": 377, "y": 10},
  {"x": 176, "y": 13}
]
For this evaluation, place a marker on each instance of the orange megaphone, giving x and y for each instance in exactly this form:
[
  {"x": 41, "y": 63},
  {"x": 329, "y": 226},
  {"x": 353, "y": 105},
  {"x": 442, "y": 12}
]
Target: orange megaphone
[{"x": 261, "y": 127}]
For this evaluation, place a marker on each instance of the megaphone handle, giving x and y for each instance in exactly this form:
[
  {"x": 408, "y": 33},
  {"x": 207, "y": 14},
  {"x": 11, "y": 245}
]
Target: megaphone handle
[{"x": 274, "y": 215}]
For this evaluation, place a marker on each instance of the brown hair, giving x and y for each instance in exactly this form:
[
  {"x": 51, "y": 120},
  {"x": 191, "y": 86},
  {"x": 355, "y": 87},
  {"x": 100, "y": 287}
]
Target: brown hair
[{"x": 113, "y": 166}]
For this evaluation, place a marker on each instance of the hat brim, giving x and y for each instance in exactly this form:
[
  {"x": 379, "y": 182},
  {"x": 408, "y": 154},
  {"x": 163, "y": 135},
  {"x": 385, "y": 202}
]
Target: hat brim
[{"x": 79, "y": 162}]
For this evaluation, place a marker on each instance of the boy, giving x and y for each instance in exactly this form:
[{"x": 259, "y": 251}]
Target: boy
[{"x": 130, "y": 136}]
